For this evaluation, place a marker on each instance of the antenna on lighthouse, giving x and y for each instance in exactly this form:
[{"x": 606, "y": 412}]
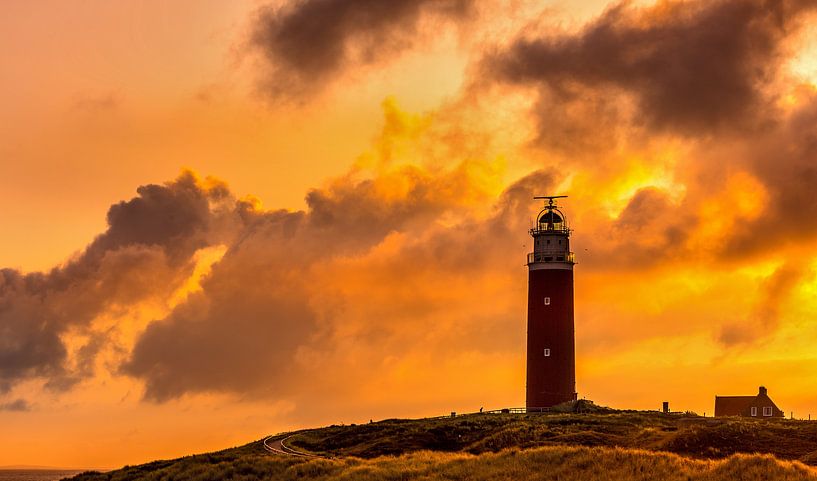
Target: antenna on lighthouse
[{"x": 550, "y": 199}]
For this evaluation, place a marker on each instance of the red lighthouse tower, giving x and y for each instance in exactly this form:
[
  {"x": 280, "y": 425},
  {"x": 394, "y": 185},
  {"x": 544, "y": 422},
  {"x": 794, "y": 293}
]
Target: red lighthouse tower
[{"x": 551, "y": 376}]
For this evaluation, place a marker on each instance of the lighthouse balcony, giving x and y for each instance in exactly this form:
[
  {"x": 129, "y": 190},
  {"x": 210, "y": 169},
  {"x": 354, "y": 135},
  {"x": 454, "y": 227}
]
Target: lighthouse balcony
[
  {"x": 543, "y": 229},
  {"x": 551, "y": 257}
]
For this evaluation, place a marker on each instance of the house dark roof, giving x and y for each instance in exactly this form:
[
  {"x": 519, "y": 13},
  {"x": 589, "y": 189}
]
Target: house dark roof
[{"x": 732, "y": 405}]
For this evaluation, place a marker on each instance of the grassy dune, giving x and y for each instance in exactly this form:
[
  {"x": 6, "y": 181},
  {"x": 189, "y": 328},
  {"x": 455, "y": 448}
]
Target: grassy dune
[
  {"x": 555, "y": 446},
  {"x": 563, "y": 463},
  {"x": 703, "y": 438}
]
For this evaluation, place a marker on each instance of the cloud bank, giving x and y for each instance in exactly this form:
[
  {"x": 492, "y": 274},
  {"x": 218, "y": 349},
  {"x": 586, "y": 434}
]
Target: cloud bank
[
  {"x": 308, "y": 44},
  {"x": 693, "y": 68},
  {"x": 666, "y": 123},
  {"x": 146, "y": 250}
]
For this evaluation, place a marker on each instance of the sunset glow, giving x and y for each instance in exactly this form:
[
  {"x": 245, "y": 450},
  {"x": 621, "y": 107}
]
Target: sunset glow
[{"x": 331, "y": 227}]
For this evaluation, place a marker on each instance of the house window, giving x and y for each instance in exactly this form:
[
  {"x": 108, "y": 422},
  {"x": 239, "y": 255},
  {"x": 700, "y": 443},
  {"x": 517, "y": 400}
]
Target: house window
[
  {"x": 767, "y": 411},
  {"x": 548, "y": 241},
  {"x": 547, "y": 352},
  {"x": 547, "y": 301},
  {"x": 754, "y": 411}
]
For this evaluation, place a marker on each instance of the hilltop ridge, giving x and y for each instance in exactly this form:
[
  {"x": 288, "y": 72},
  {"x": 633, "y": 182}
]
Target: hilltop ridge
[{"x": 636, "y": 445}]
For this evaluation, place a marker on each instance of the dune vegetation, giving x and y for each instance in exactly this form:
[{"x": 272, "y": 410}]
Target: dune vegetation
[
  {"x": 563, "y": 463},
  {"x": 688, "y": 435},
  {"x": 554, "y": 446}
]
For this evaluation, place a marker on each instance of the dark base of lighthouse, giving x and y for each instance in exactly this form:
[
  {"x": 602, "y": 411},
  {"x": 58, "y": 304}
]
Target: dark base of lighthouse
[
  {"x": 551, "y": 363},
  {"x": 548, "y": 401}
]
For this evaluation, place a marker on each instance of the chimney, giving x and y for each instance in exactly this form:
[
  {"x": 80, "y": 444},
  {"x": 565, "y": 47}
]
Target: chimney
[{"x": 762, "y": 391}]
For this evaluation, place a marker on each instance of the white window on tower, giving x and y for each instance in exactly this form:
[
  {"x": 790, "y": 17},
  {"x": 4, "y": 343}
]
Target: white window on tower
[
  {"x": 753, "y": 411},
  {"x": 547, "y": 352},
  {"x": 547, "y": 301},
  {"x": 767, "y": 411}
]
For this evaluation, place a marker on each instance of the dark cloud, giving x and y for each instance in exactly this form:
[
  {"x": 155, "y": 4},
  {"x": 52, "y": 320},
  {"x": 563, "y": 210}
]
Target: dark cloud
[
  {"x": 784, "y": 160},
  {"x": 709, "y": 72},
  {"x": 242, "y": 331},
  {"x": 270, "y": 314},
  {"x": 146, "y": 250},
  {"x": 765, "y": 318},
  {"x": 18, "y": 405},
  {"x": 691, "y": 67},
  {"x": 307, "y": 43},
  {"x": 378, "y": 271},
  {"x": 650, "y": 230},
  {"x": 485, "y": 244}
]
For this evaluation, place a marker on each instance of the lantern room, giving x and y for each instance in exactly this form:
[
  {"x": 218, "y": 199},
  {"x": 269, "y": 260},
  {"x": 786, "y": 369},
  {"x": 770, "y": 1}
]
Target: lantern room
[{"x": 551, "y": 236}]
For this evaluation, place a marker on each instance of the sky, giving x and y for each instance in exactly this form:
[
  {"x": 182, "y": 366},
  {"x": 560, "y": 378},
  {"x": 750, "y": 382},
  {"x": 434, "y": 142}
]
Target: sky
[{"x": 228, "y": 219}]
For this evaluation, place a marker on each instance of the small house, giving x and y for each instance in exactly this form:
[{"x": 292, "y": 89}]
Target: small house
[{"x": 759, "y": 406}]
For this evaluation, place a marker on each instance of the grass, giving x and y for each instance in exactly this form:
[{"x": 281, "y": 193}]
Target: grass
[
  {"x": 562, "y": 463},
  {"x": 555, "y": 446},
  {"x": 702, "y": 438}
]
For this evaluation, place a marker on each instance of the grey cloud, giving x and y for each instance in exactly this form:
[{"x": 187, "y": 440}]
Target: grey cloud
[
  {"x": 692, "y": 67},
  {"x": 650, "y": 230},
  {"x": 18, "y": 405},
  {"x": 146, "y": 249},
  {"x": 242, "y": 331},
  {"x": 709, "y": 72},
  {"x": 265, "y": 319},
  {"x": 785, "y": 162},
  {"x": 308, "y": 42}
]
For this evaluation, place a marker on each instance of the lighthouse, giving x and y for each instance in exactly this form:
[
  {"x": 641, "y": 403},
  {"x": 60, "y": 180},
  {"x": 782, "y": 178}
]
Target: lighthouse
[{"x": 551, "y": 363}]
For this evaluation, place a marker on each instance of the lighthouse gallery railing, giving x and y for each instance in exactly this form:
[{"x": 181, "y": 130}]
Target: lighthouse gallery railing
[{"x": 550, "y": 257}]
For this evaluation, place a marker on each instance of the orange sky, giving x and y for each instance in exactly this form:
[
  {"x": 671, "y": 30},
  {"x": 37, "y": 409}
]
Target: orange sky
[{"x": 337, "y": 225}]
